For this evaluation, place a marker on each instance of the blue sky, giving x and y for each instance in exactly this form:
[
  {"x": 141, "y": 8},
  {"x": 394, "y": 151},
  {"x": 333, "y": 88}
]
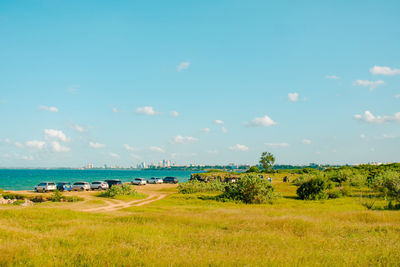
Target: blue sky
[{"x": 207, "y": 82}]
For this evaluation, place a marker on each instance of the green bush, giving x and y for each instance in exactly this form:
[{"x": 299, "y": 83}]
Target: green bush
[
  {"x": 253, "y": 169},
  {"x": 195, "y": 186},
  {"x": 302, "y": 178},
  {"x": 249, "y": 189},
  {"x": 38, "y": 199},
  {"x": 18, "y": 202},
  {"x": 388, "y": 182},
  {"x": 115, "y": 191},
  {"x": 313, "y": 189},
  {"x": 13, "y": 196}
]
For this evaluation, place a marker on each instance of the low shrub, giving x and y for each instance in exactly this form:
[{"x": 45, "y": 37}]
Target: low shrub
[
  {"x": 195, "y": 186},
  {"x": 58, "y": 197},
  {"x": 313, "y": 189},
  {"x": 115, "y": 191},
  {"x": 249, "y": 189},
  {"x": 18, "y": 202},
  {"x": 301, "y": 179},
  {"x": 13, "y": 196},
  {"x": 38, "y": 199}
]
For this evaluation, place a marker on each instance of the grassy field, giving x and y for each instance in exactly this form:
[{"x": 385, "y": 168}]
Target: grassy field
[{"x": 187, "y": 230}]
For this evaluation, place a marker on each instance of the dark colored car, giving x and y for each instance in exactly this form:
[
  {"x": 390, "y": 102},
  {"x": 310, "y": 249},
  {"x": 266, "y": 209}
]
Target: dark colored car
[
  {"x": 64, "y": 186},
  {"x": 113, "y": 182},
  {"x": 170, "y": 180}
]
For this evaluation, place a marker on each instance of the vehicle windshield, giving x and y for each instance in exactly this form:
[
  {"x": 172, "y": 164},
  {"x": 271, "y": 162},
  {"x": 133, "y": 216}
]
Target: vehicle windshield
[
  {"x": 78, "y": 183},
  {"x": 42, "y": 184},
  {"x": 52, "y": 184}
]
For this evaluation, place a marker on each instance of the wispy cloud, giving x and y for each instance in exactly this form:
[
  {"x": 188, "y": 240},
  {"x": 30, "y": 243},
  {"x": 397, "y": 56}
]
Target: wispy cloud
[
  {"x": 382, "y": 70},
  {"x": 57, "y": 147},
  {"x": 179, "y": 139},
  {"x": 78, "y": 128},
  {"x": 183, "y": 66},
  {"x": 47, "y": 108},
  {"x": 265, "y": 121},
  {"x": 307, "y": 141},
  {"x": 55, "y": 134},
  {"x": 371, "y": 118},
  {"x": 174, "y": 113},
  {"x": 397, "y": 96},
  {"x": 35, "y": 144},
  {"x": 219, "y": 122},
  {"x": 293, "y": 97},
  {"x": 333, "y": 77},
  {"x": 18, "y": 144},
  {"x": 114, "y": 155},
  {"x": 115, "y": 110},
  {"x": 239, "y": 147},
  {"x": 129, "y": 148},
  {"x": 224, "y": 130},
  {"x": 371, "y": 84},
  {"x": 147, "y": 110},
  {"x": 157, "y": 149},
  {"x": 96, "y": 145},
  {"x": 205, "y": 130},
  {"x": 277, "y": 144},
  {"x": 362, "y": 136}
]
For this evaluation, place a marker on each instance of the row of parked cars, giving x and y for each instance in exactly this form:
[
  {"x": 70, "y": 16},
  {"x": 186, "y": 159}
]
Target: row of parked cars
[{"x": 98, "y": 185}]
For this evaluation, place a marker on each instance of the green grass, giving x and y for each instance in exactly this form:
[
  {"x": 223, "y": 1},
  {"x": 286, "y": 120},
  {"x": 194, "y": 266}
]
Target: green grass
[{"x": 186, "y": 230}]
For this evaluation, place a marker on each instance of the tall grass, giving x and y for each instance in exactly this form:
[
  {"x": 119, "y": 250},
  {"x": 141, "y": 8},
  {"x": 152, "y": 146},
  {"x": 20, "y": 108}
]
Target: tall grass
[{"x": 185, "y": 230}]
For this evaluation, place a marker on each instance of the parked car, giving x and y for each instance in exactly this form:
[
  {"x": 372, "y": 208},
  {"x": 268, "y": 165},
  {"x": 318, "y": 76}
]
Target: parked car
[
  {"x": 113, "y": 182},
  {"x": 81, "y": 186},
  {"x": 64, "y": 186},
  {"x": 155, "y": 180},
  {"x": 99, "y": 185},
  {"x": 139, "y": 181},
  {"x": 170, "y": 180},
  {"x": 45, "y": 186}
]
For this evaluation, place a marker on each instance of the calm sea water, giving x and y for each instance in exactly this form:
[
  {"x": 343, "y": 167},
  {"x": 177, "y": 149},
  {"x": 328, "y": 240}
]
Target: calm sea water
[{"x": 27, "y": 179}]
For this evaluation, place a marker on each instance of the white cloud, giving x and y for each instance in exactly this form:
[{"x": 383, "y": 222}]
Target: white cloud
[
  {"x": 174, "y": 113},
  {"x": 179, "y": 139},
  {"x": 294, "y": 97},
  {"x": 277, "y": 144},
  {"x": 397, "y": 96},
  {"x": 387, "y": 136},
  {"x": 307, "y": 142},
  {"x": 371, "y": 84},
  {"x": 147, "y": 111},
  {"x": 261, "y": 122},
  {"x": 50, "y": 109},
  {"x": 78, "y": 128},
  {"x": 362, "y": 136},
  {"x": 55, "y": 134},
  {"x": 30, "y": 158},
  {"x": 96, "y": 145},
  {"x": 371, "y": 118},
  {"x": 205, "y": 130},
  {"x": 183, "y": 66},
  {"x": 7, "y": 141},
  {"x": 333, "y": 77},
  {"x": 157, "y": 149},
  {"x": 18, "y": 144},
  {"x": 35, "y": 144},
  {"x": 382, "y": 70},
  {"x": 57, "y": 147},
  {"x": 219, "y": 122},
  {"x": 115, "y": 110},
  {"x": 129, "y": 148},
  {"x": 239, "y": 147},
  {"x": 114, "y": 155},
  {"x": 224, "y": 130}
]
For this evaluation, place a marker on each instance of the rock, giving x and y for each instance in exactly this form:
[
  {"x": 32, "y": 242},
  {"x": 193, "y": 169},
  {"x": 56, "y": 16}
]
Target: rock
[
  {"x": 3, "y": 201},
  {"x": 27, "y": 203}
]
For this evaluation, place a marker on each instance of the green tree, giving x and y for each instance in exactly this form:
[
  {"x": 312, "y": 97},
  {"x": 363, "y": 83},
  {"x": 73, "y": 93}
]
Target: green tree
[{"x": 267, "y": 161}]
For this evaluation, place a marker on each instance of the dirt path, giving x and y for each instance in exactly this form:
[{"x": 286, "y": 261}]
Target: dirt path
[{"x": 112, "y": 206}]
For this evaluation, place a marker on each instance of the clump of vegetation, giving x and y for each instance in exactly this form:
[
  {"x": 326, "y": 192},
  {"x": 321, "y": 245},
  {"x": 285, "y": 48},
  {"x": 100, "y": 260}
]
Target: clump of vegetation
[
  {"x": 7, "y": 195},
  {"x": 314, "y": 189},
  {"x": 301, "y": 179},
  {"x": 59, "y": 197},
  {"x": 253, "y": 169},
  {"x": 116, "y": 191},
  {"x": 388, "y": 182},
  {"x": 250, "y": 189},
  {"x": 195, "y": 186}
]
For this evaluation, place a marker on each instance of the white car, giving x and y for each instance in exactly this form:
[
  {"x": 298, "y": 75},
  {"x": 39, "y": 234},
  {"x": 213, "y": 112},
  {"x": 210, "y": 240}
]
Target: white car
[
  {"x": 45, "y": 186},
  {"x": 155, "y": 180},
  {"x": 99, "y": 185},
  {"x": 139, "y": 181},
  {"x": 81, "y": 186}
]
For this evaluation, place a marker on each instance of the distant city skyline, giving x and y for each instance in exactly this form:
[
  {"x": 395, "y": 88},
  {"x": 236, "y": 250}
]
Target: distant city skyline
[{"x": 210, "y": 82}]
